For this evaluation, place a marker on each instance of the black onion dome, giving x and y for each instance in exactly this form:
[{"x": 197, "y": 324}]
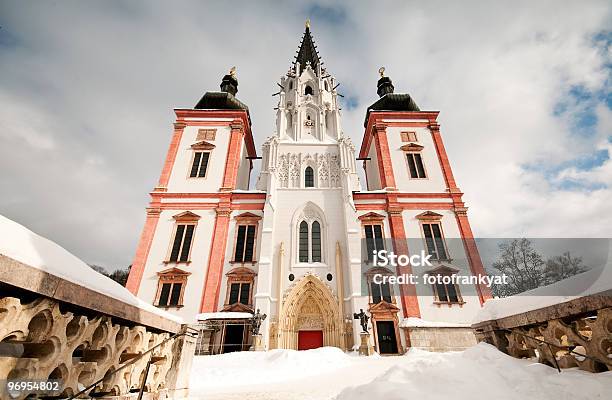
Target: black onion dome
[{"x": 225, "y": 99}]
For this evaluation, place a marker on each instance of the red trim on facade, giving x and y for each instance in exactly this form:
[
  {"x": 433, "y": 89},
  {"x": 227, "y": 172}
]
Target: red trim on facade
[
  {"x": 215, "y": 195},
  {"x": 383, "y": 195},
  {"x": 232, "y": 162},
  {"x": 179, "y": 127},
  {"x": 142, "y": 251},
  {"x": 216, "y": 259},
  {"x": 188, "y": 206},
  {"x": 183, "y": 114},
  {"x": 476, "y": 267},
  {"x": 451, "y": 185},
  {"x": 378, "y": 117},
  {"x": 383, "y": 156},
  {"x": 406, "y": 206},
  {"x": 408, "y": 295},
  {"x": 248, "y": 206}
]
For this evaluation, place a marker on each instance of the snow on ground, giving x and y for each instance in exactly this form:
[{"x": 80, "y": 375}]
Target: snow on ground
[
  {"x": 481, "y": 372},
  {"x": 25, "y": 246}
]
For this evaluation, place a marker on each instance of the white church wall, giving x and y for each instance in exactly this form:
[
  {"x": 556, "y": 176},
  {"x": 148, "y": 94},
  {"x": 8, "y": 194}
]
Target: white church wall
[
  {"x": 179, "y": 179},
  {"x": 244, "y": 170},
  {"x": 230, "y": 248},
  {"x": 371, "y": 169},
  {"x": 158, "y": 253},
  {"x": 429, "y": 310},
  {"x": 290, "y": 202},
  {"x": 434, "y": 181}
]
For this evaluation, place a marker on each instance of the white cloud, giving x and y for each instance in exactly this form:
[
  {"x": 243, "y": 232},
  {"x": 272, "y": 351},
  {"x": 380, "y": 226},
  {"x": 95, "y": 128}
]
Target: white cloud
[{"x": 88, "y": 91}]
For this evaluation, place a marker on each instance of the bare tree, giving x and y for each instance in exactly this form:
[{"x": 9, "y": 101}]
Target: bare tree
[
  {"x": 526, "y": 269},
  {"x": 119, "y": 275},
  {"x": 563, "y": 266},
  {"x": 523, "y": 266}
]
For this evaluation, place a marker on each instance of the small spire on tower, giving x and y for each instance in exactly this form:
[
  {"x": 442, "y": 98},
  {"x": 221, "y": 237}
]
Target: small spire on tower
[
  {"x": 229, "y": 83},
  {"x": 308, "y": 51},
  {"x": 385, "y": 86}
]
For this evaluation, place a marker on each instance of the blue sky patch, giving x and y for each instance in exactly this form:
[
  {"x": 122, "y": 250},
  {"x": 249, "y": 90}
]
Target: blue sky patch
[{"x": 327, "y": 14}]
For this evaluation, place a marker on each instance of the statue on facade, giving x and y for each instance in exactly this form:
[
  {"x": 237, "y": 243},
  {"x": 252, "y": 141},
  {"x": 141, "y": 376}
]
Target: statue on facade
[
  {"x": 256, "y": 322},
  {"x": 363, "y": 319}
]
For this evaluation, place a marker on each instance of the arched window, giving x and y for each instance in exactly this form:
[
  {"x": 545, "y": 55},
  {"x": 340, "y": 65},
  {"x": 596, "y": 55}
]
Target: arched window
[
  {"x": 310, "y": 242},
  {"x": 308, "y": 177},
  {"x": 290, "y": 85},
  {"x": 316, "y": 242},
  {"x": 326, "y": 86},
  {"x": 303, "y": 245},
  {"x": 308, "y": 90}
]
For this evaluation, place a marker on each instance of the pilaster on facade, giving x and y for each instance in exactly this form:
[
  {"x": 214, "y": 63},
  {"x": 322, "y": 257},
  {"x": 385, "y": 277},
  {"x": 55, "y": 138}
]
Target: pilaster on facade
[{"x": 162, "y": 185}]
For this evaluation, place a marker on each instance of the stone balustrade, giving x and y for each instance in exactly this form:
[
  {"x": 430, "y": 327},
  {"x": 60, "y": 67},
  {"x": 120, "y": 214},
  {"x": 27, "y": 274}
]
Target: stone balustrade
[
  {"x": 583, "y": 325},
  {"x": 51, "y": 328}
]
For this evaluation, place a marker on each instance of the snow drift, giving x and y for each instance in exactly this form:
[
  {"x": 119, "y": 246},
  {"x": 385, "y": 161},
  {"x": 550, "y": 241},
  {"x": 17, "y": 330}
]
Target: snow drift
[
  {"x": 481, "y": 372},
  {"x": 25, "y": 246}
]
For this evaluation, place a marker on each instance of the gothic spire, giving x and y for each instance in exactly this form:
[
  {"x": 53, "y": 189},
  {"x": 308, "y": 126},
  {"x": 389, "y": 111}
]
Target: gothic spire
[{"x": 308, "y": 50}]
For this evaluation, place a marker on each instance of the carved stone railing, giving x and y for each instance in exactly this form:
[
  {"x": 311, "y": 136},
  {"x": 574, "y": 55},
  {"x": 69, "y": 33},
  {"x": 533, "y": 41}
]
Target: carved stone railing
[
  {"x": 51, "y": 328},
  {"x": 577, "y": 333}
]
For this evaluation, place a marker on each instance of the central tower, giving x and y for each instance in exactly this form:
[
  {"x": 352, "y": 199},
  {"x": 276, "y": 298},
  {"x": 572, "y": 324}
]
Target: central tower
[
  {"x": 308, "y": 172},
  {"x": 308, "y": 108}
]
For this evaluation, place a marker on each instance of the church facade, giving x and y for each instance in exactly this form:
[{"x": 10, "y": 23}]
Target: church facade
[{"x": 297, "y": 246}]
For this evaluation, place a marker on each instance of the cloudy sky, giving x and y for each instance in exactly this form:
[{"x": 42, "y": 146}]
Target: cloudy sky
[{"x": 87, "y": 91}]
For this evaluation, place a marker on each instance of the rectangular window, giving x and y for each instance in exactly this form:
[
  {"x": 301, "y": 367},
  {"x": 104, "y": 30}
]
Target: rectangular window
[
  {"x": 165, "y": 294},
  {"x": 303, "y": 242},
  {"x": 206, "y": 134},
  {"x": 234, "y": 293},
  {"x": 376, "y": 295},
  {"x": 176, "y": 294},
  {"x": 386, "y": 292},
  {"x": 245, "y": 243},
  {"x": 415, "y": 165},
  {"x": 380, "y": 292},
  {"x": 182, "y": 243},
  {"x": 245, "y": 289},
  {"x": 447, "y": 293},
  {"x": 240, "y": 293},
  {"x": 434, "y": 241},
  {"x": 170, "y": 294},
  {"x": 200, "y": 163},
  {"x": 374, "y": 239},
  {"x": 408, "y": 136}
]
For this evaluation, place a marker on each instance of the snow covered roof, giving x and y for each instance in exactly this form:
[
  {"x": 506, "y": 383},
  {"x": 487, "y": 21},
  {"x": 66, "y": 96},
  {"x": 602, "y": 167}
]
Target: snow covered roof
[
  {"x": 223, "y": 315},
  {"x": 592, "y": 282},
  {"x": 25, "y": 246},
  {"x": 413, "y": 322}
]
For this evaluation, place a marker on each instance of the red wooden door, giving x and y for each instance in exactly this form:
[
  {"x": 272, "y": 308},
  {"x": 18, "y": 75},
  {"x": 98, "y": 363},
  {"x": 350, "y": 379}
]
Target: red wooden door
[{"x": 310, "y": 340}]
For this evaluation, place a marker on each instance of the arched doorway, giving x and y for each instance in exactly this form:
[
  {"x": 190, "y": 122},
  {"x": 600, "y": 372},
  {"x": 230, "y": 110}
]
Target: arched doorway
[{"x": 309, "y": 316}]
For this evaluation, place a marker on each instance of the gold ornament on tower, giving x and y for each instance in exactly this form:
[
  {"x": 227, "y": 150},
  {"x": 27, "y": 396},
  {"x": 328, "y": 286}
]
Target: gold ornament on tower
[
  {"x": 232, "y": 71},
  {"x": 307, "y": 24},
  {"x": 381, "y": 71}
]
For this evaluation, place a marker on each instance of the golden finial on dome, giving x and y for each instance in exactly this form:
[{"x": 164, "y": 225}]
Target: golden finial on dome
[
  {"x": 307, "y": 24},
  {"x": 381, "y": 71},
  {"x": 232, "y": 71}
]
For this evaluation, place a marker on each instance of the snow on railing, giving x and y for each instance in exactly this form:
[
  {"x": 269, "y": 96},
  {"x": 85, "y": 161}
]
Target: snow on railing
[
  {"x": 567, "y": 324},
  {"x": 60, "y": 320}
]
